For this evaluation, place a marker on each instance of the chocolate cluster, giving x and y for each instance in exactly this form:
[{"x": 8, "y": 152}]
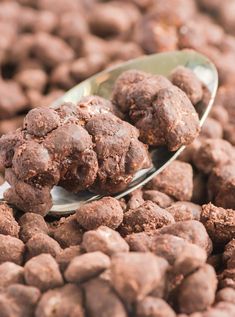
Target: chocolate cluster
[
  {"x": 161, "y": 111},
  {"x": 167, "y": 249},
  {"x": 78, "y": 147}
]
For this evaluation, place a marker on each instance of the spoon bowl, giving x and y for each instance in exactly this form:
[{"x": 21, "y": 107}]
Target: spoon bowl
[{"x": 102, "y": 85}]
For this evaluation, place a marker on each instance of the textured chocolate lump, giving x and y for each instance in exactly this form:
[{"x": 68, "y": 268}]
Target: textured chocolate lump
[
  {"x": 105, "y": 240},
  {"x": 86, "y": 266},
  {"x": 151, "y": 306},
  {"x": 75, "y": 146},
  {"x": 101, "y": 299},
  {"x": 175, "y": 180},
  {"x": 124, "y": 86},
  {"x": 147, "y": 217},
  {"x": 185, "y": 210},
  {"x": 67, "y": 232},
  {"x": 11, "y": 249},
  {"x": 8, "y": 224},
  {"x": 219, "y": 222},
  {"x": 221, "y": 185},
  {"x": 31, "y": 224},
  {"x": 11, "y": 273},
  {"x": 127, "y": 277},
  {"x": 19, "y": 300},
  {"x": 176, "y": 118},
  {"x": 39, "y": 122},
  {"x": 162, "y": 112},
  {"x": 119, "y": 152},
  {"x": 187, "y": 81},
  {"x": 51, "y": 276},
  {"x": 189, "y": 288},
  {"x": 62, "y": 301},
  {"x": 106, "y": 211}
]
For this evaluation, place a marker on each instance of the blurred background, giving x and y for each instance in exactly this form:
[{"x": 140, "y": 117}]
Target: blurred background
[{"x": 48, "y": 46}]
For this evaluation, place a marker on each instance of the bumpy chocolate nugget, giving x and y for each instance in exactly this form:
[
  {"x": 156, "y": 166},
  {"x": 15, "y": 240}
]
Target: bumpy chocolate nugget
[
  {"x": 136, "y": 199},
  {"x": 226, "y": 15},
  {"x": 61, "y": 77},
  {"x": 42, "y": 243},
  {"x": 106, "y": 211},
  {"x": 222, "y": 309},
  {"x": 71, "y": 145},
  {"x": 148, "y": 216},
  {"x": 152, "y": 306},
  {"x": 39, "y": 122},
  {"x": 35, "y": 166},
  {"x": 66, "y": 255},
  {"x": 68, "y": 232},
  {"x": 86, "y": 266},
  {"x": 27, "y": 197},
  {"x": 124, "y": 85},
  {"x": 11, "y": 249},
  {"x": 31, "y": 224},
  {"x": 13, "y": 99},
  {"x": 149, "y": 98},
  {"x": 91, "y": 106},
  {"x": 187, "y": 81},
  {"x": 35, "y": 79},
  {"x": 11, "y": 273},
  {"x": 192, "y": 231},
  {"x": 212, "y": 129},
  {"x": 8, "y": 224},
  {"x": 155, "y": 35},
  {"x": 73, "y": 28},
  {"x": 221, "y": 186},
  {"x": 175, "y": 180},
  {"x": 172, "y": 248},
  {"x": 51, "y": 50},
  {"x": 56, "y": 147},
  {"x": 219, "y": 223},
  {"x": 127, "y": 274},
  {"x": 10, "y": 125},
  {"x": 129, "y": 50},
  {"x": 102, "y": 300},
  {"x": 159, "y": 198},
  {"x": 119, "y": 152},
  {"x": 32, "y": 159},
  {"x": 213, "y": 153},
  {"x": 176, "y": 118},
  {"x": 45, "y": 21},
  {"x": 185, "y": 210},
  {"x": 140, "y": 109},
  {"x": 51, "y": 276},
  {"x": 124, "y": 19},
  {"x": 19, "y": 301},
  {"x": 197, "y": 291},
  {"x": 59, "y": 302},
  {"x": 105, "y": 240},
  {"x": 85, "y": 67},
  {"x": 226, "y": 294},
  {"x": 220, "y": 114},
  {"x": 140, "y": 242},
  {"x": 228, "y": 250},
  {"x": 229, "y": 133},
  {"x": 226, "y": 279}
]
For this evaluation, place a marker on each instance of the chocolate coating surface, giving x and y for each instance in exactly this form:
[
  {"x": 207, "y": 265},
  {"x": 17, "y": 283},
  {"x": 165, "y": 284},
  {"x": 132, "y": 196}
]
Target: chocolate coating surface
[{"x": 165, "y": 250}]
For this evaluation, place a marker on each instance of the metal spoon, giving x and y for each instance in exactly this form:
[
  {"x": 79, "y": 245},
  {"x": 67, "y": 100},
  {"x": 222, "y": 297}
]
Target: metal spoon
[{"x": 102, "y": 84}]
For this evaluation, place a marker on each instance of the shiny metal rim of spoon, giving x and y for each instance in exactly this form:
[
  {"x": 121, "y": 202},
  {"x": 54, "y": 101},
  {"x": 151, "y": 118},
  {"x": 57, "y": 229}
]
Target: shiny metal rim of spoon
[{"x": 102, "y": 84}]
